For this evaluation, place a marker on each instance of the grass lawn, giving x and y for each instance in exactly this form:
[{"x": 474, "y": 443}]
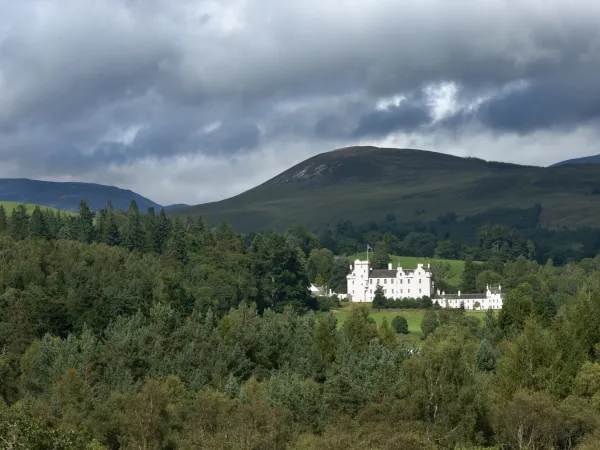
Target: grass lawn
[
  {"x": 9, "y": 206},
  {"x": 413, "y": 317},
  {"x": 410, "y": 262}
]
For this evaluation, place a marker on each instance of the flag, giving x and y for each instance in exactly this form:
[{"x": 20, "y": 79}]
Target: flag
[{"x": 369, "y": 247}]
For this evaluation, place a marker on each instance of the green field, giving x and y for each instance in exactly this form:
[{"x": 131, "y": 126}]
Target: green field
[
  {"x": 9, "y": 206},
  {"x": 413, "y": 317},
  {"x": 410, "y": 262}
]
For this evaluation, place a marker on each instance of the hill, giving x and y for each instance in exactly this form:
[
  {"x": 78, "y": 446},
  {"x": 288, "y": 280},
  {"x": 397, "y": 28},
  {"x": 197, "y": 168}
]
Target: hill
[
  {"x": 9, "y": 206},
  {"x": 67, "y": 195},
  {"x": 594, "y": 159},
  {"x": 366, "y": 183}
]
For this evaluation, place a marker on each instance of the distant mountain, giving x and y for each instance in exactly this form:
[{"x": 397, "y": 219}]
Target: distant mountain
[
  {"x": 66, "y": 196},
  {"x": 175, "y": 206},
  {"x": 367, "y": 183},
  {"x": 594, "y": 159}
]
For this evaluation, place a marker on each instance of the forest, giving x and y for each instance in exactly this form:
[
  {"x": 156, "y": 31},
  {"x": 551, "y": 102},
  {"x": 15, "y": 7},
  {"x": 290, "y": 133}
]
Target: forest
[{"x": 130, "y": 330}]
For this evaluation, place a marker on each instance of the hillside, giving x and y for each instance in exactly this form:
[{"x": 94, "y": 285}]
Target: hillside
[
  {"x": 9, "y": 206},
  {"x": 366, "y": 183},
  {"x": 66, "y": 196},
  {"x": 594, "y": 159}
]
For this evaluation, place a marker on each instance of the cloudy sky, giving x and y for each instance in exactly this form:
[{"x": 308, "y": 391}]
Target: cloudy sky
[{"x": 193, "y": 101}]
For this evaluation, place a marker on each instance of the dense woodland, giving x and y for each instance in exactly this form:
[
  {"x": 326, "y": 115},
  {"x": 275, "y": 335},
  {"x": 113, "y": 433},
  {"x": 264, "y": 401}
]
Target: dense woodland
[{"x": 134, "y": 331}]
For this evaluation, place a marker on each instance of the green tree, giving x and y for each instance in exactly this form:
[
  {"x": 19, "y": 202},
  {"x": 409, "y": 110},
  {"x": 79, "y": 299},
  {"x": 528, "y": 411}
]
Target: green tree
[
  {"x": 19, "y": 223},
  {"x": 338, "y": 282},
  {"x": 85, "y": 220},
  {"x": 3, "y": 219},
  {"x": 485, "y": 356},
  {"x": 379, "y": 300},
  {"x": 163, "y": 231},
  {"x": 150, "y": 225},
  {"x": 400, "y": 325},
  {"x": 445, "y": 250},
  {"x": 429, "y": 323},
  {"x": 320, "y": 265},
  {"x": 468, "y": 282},
  {"x": 38, "y": 228},
  {"x": 381, "y": 255},
  {"x": 133, "y": 236},
  {"x": 111, "y": 235},
  {"x": 176, "y": 246}
]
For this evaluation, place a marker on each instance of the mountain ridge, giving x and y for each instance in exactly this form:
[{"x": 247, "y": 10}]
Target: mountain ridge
[
  {"x": 366, "y": 183},
  {"x": 66, "y": 195},
  {"x": 592, "y": 159}
]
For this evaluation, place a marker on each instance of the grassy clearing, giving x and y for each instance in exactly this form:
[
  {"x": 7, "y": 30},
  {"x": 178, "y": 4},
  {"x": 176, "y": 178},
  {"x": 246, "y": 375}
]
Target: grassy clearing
[
  {"x": 413, "y": 317},
  {"x": 9, "y": 206},
  {"x": 410, "y": 262}
]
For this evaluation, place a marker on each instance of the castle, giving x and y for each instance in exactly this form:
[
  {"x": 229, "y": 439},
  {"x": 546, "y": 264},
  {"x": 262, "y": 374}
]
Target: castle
[
  {"x": 399, "y": 283},
  {"x": 492, "y": 299},
  {"x": 412, "y": 283}
]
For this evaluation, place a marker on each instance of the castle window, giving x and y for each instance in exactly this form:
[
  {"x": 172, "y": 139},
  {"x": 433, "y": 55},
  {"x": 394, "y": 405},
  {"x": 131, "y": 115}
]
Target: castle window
[
  {"x": 378, "y": 282},
  {"x": 419, "y": 281},
  {"x": 409, "y": 291},
  {"x": 419, "y": 291},
  {"x": 385, "y": 281},
  {"x": 371, "y": 281},
  {"x": 408, "y": 281},
  {"x": 400, "y": 280}
]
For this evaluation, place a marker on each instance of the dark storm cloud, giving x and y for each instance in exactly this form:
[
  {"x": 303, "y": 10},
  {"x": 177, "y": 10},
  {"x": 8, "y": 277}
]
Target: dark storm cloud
[
  {"x": 92, "y": 87},
  {"x": 404, "y": 117}
]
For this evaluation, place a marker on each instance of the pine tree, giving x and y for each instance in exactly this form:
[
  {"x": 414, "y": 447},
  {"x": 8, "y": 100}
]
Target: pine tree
[
  {"x": 19, "y": 223},
  {"x": 176, "y": 247},
  {"x": 85, "y": 223},
  {"x": 3, "y": 219},
  {"x": 485, "y": 358},
  {"x": 111, "y": 230},
  {"x": 38, "y": 228},
  {"x": 469, "y": 276},
  {"x": 134, "y": 237},
  {"x": 150, "y": 226},
  {"x": 163, "y": 230}
]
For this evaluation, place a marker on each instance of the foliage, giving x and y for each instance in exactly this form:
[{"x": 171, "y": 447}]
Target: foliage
[{"x": 182, "y": 335}]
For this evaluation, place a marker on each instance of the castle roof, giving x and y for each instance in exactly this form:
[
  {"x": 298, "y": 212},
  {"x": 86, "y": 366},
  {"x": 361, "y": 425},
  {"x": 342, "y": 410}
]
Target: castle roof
[
  {"x": 460, "y": 297},
  {"x": 382, "y": 273}
]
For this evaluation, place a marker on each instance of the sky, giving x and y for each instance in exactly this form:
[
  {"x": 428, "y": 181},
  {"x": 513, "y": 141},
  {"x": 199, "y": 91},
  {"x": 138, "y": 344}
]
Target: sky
[{"x": 193, "y": 101}]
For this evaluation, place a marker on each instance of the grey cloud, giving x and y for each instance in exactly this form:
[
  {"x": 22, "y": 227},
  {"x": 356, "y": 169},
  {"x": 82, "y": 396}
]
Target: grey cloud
[{"x": 75, "y": 77}]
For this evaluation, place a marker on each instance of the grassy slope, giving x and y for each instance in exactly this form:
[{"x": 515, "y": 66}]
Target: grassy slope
[
  {"x": 413, "y": 317},
  {"x": 9, "y": 206},
  {"x": 366, "y": 183},
  {"x": 410, "y": 262}
]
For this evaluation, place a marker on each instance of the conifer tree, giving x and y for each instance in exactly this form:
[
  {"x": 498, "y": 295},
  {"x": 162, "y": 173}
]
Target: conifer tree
[
  {"x": 150, "y": 226},
  {"x": 163, "y": 229},
  {"x": 3, "y": 219},
  {"x": 85, "y": 221},
  {"x": 19, "y": 223},
  {"x": 38, "y": 228},
  {"x": 134, "y": 238},
  {"x": 111, "y": 230},
  {"x": 176, "y": 247}
]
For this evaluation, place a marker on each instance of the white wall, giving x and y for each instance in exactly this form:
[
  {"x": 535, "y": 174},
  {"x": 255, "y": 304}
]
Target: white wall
[{"x": 406, "y": 284}]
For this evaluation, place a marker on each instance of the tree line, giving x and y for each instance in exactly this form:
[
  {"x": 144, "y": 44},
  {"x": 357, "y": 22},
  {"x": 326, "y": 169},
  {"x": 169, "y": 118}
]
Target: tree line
[{"x": 211, "y": 340}]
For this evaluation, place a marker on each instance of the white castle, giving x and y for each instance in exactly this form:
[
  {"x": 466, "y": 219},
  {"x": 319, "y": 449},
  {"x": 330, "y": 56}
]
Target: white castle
[
  {"x": 492, "y": 299},
  {"x": 412, "y": 283},
  {"x": 399, "y": 283}
]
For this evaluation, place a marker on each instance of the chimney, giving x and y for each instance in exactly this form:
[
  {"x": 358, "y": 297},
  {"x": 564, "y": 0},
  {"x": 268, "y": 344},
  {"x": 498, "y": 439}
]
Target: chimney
[{"x": 390, "y": 266}]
